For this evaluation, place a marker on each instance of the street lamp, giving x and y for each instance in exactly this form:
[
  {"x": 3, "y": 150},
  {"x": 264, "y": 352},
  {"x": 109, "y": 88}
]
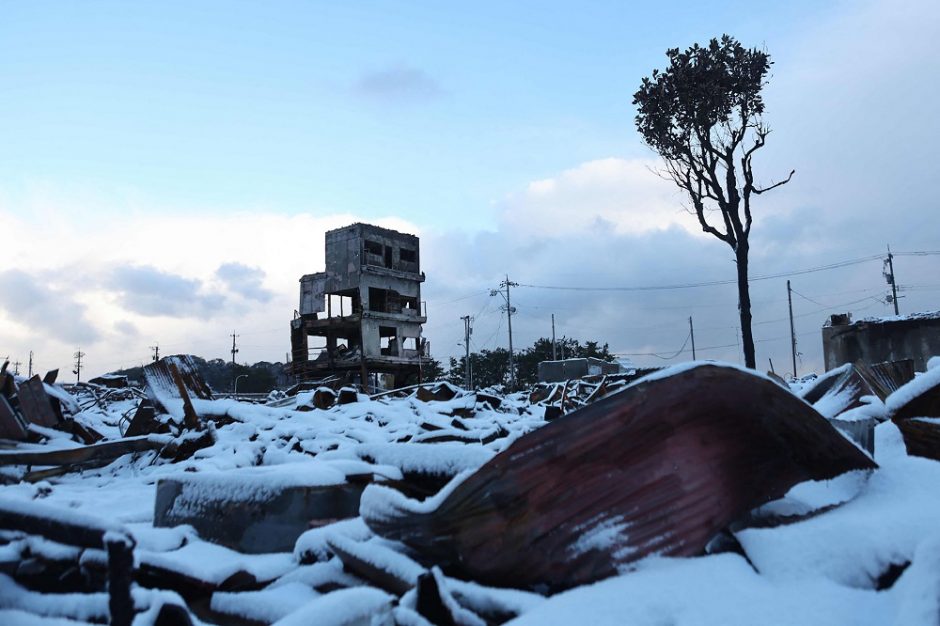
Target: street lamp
[{"x": 236, "y": 383}]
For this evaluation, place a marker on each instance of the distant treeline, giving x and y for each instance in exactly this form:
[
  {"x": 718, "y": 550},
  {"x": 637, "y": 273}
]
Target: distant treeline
[
  {"x": 491, "y": 367},
  {"x": 260, "y": 377}
]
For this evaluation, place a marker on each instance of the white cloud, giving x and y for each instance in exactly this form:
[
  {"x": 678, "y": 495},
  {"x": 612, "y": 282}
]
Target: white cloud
[
  {"x": 119, "y": 286},
  {"x": 625, "y": 195}
]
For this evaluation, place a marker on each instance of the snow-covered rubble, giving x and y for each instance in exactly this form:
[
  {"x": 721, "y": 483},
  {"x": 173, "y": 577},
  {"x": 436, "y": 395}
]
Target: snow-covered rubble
[{"x": 863, "y": 548}]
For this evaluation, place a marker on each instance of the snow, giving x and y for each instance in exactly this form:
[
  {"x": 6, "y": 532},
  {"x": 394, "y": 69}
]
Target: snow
[
  {"x": 852, "y": 545},
  {"x": 913, "y": 389},
  {"x": 315, "y": 542},
  {"x": 461, "y": 615},
  {"x": 247, "y": 485},
  {"x": 267, "y": 605},
  {"x": 342, "y": 608},
  {"x": 213, "y": 563},
  {"x": 823, "y": 569},
  {"x": 601, "y": 534},
  {"x": 493, "y": 599},
  {"x": 442, "y": 459},
  {"x": 22, "y": 618},
  {"x": 76, "y": 606},
  {"x": 381, "y": 503},
  {"x": 319, "y": 575},
  {"x": 720, "y": 589},
  {"x": 384, "y": 558}
]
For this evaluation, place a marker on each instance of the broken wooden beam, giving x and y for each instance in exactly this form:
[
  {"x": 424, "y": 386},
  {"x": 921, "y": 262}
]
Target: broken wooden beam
[
  {"x": 83, "y": 454},
  {"x": 78, "y": 529}
]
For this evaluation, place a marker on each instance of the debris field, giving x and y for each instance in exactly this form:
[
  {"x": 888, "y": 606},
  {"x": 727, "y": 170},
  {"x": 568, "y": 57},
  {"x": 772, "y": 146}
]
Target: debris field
[{"x": 699, "y": 494}]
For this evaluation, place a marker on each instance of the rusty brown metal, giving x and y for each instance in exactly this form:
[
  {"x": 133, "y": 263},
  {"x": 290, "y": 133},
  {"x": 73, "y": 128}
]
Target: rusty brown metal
[
  {"x": 51, "y": 376},
  {"x": 12, "y": 425},
  {"x": 190, "y": 419},
  {"x": 163, "y": 385},
  {"x": 658, "y": 468},
  {"x": 925, "y": 404},
  {"x": 35, "y": 404},
  {"x": 886, "y": 378},
  {"x": 144, "y": 422},
  {"x": 921, "y": 437},
  {"x": 842, "y": 388}
]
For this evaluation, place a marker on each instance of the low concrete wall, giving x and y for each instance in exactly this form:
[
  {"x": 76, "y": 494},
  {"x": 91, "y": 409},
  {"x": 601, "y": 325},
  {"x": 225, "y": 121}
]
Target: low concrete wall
[{"x": 249, "y": 515}]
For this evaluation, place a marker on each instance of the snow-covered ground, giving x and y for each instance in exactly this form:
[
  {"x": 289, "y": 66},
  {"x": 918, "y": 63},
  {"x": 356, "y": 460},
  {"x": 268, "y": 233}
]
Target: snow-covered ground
[{"x": 828, "y": 569}]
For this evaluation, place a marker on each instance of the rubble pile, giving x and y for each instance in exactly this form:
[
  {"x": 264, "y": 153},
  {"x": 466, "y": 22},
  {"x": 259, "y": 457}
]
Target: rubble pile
[{"x": 438, "y": 505}]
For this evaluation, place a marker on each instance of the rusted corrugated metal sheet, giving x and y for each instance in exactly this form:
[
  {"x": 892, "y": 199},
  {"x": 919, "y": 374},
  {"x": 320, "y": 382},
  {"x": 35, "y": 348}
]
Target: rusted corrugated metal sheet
[
  {"x": 917, "y": 418},
  {"x": 173, "y": 379},
  {"x": 921, "y": 436},
  {"x": 886, "y": 378},
  {"x": 658, "y": 468},
  {"x": 35, "y": 404},
  {"x": 12, "y": 425},
  {"x": 840, "y": 389}
]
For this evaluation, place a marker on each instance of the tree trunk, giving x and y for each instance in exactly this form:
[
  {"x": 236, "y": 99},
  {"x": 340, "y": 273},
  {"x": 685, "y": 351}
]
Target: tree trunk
[{"x": 744, "y": 305}]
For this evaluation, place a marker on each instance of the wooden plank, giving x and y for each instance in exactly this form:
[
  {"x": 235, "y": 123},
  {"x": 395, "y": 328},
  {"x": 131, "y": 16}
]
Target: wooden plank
[
  {"x": 72, "y": 528},
  {"x": 107, "y": 450}
]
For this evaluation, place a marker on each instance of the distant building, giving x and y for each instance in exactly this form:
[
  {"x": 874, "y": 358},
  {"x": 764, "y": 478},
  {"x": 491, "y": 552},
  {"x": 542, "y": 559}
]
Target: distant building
[
  {"x": 364, "y": 312},
  {"x": 876, "y": 340},
  {"x": 557, "y": 371}
]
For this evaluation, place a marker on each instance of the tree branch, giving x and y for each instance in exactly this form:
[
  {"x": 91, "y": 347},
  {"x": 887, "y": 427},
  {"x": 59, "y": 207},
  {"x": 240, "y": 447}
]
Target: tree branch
[{"x": 775, "y": 185}]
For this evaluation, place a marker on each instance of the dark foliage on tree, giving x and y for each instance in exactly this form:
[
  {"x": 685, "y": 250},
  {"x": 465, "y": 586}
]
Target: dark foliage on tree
[
  {"x": 432, "y": 370},
  {"x": 491, "y": 367},
  {"x": 703, "y": 115}
]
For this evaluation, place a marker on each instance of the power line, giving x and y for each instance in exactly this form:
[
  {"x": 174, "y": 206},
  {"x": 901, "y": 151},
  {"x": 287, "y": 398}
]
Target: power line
[
  {"x": 659, "y": 356},
  {"x": 711, "y": 283},
  {"x": 919, "y": 253}
]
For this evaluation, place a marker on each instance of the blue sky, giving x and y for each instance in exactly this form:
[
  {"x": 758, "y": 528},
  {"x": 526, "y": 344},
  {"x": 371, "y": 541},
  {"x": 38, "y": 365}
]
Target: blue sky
[
  {"x": 151, "y": 152},
  {"x": 334, "y": 106}
]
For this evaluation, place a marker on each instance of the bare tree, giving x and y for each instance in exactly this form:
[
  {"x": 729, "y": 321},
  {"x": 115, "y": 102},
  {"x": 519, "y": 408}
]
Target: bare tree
[{"x": 703, "y": 115}]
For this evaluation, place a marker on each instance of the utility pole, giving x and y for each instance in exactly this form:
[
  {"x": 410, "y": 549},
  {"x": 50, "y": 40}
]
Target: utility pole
[
  {"x": 467, "y": 331},
  {"x": 692, "y": 335},
  {"x": 891, "y": 281},
  {"x": 506, "y": 284},
  {"x": 16, "y": 368},
  {"x": 78, "y": 365},
  {"x": 156, "y": 352},
  {"x": 30, "y": 363},
  {"x": 554, "y": 354},
  {"x": 792, "y": 330},
  {"x": 234, "y": 352}
]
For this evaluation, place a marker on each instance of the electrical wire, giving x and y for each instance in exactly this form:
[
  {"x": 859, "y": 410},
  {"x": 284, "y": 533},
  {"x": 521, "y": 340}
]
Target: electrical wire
[
  {"x": 711, "y": 283},
  {"x": 659, "y": 356}
]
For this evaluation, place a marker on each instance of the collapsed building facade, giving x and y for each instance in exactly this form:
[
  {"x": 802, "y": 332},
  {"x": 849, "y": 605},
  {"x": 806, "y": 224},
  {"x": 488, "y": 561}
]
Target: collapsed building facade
[{"x": 364, "y": 314}]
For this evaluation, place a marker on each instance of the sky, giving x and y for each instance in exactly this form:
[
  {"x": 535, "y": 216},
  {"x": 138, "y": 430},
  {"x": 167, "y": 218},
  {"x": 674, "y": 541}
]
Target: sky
[{"x": 168, "y": 170}]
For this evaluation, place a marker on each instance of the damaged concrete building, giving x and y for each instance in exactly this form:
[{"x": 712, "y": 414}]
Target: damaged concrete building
[
  {"x": 915, "y": 337},
  {"x": 364, "y": 312}
]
